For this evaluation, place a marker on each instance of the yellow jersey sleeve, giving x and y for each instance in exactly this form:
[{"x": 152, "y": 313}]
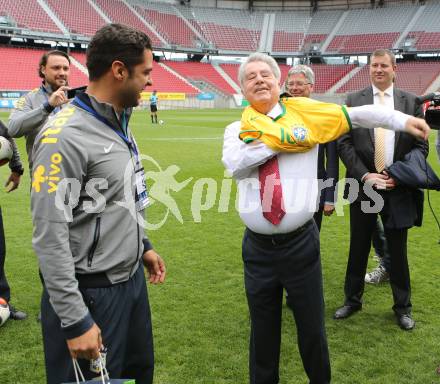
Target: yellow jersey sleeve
[
  {"x": 324, "y": 121},
  {"x": 303, "y": 124}
]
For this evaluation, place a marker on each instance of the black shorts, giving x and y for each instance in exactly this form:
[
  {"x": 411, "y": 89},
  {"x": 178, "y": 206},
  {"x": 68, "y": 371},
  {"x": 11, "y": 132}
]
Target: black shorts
[{"x": 153, "y": 107}]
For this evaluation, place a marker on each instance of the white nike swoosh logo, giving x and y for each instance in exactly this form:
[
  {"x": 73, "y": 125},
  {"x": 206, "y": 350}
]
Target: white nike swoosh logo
[{"x": 108, "y": 149}]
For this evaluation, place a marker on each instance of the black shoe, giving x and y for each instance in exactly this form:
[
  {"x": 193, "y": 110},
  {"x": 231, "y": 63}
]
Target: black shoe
[
  {"x": 15, "y": 314},
  {"x": 345, "y": 311},
  {"x": 406, "y": 322}
]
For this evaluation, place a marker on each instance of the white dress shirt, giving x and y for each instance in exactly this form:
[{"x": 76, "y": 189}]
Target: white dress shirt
[
  {"x": 298, "y": 171},
  {"x": 389, "y": 135}
]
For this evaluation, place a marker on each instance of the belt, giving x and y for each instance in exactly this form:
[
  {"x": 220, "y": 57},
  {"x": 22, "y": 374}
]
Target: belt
[
  {"x": 93, "y": 280},
  {"x": 100, "y": 279},
  {"x": 280, "y": 238}
]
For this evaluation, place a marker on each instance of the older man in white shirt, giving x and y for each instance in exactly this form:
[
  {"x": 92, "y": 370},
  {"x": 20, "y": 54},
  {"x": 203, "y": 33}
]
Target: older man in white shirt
[{"x": 281, "y": 241}]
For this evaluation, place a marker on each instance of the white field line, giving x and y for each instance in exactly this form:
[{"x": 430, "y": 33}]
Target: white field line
[{"x": 181, "y": 138}]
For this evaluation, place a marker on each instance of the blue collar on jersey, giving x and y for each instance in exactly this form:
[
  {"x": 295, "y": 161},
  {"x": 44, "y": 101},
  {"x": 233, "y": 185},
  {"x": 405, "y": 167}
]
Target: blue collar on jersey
[{"x": 83, "y": 101}]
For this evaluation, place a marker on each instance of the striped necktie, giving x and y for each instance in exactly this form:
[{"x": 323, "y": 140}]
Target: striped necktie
[
  {"x": 271, "y": 192},
  {"x": 379, "y": 142}
]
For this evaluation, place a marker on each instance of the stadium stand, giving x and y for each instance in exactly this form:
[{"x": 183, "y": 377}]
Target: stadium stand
[
  {"x": 322, "y": 24},
  {"x": 352, "y": 31},
  {"x": 231, "y": 70},
  {"x": 28, "y": 14},
  {"x": 163, "y": 80},
  {"x": 168, "y": 24},
  {"x": 290, "y": 30},
  {"x": 81, "y": 57},
  {"x": 365, "y": 30},
  {"x": 426, "y": 30},
  {"x": 358, "y": 81},
  {"x": 201, "y": 72},
  {"x": 326, "y": 75},
  {"x": 19, "y": 70},
  {"x": 78, "y": 16},
  {"x": 329, "y": 75},
  {"x": 234, "y": 30},
  {"x": 416, "y": 77},
  {"x": 119, "y": 12},
  {"x": 413, "y": 77}
]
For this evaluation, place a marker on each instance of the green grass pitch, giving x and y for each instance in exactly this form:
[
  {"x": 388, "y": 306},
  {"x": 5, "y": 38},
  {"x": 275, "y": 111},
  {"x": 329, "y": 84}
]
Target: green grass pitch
[{"x": 200, "y": 316}]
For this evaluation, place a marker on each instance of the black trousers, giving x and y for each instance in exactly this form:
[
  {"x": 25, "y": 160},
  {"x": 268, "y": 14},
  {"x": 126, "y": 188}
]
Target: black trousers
[
  {"x": 380, "y": 245},
  {"x": 5, "y": 291},
  {"x": 362, "y": 226},
  {"x": 292, "y": 262},
  {"x": 318, "y": 217},
  {"x": 122, "y": 313}
]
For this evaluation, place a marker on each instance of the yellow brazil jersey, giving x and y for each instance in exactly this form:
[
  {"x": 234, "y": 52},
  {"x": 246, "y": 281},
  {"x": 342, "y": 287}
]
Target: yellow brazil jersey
[{"x": 302, "y": 124}]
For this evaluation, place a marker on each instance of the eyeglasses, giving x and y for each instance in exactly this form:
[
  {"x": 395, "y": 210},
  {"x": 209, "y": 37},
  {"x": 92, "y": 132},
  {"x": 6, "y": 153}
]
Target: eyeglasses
[{"x": 298, "y": 84}]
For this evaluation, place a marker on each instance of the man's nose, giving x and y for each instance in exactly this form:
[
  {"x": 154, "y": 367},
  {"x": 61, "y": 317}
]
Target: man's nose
[{"x": 259, "y": 78}]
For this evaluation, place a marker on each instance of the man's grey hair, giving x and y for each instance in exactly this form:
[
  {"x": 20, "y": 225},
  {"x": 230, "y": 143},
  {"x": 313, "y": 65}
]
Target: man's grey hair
[
  {"x": 258, "y": 56},
  {"x": 301, "y": 69}
]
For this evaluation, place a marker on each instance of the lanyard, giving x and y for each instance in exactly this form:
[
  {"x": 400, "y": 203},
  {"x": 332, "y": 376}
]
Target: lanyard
[
  {"x": 79, "y": 103},
  {"x": 45, "y": 93}
]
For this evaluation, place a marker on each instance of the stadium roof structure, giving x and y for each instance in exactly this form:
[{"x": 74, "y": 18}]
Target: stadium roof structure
[{"x": 283, "y": 28}]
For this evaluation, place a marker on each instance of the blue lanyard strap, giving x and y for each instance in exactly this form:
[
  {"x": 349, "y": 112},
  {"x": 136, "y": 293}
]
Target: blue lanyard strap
[
  {"x": 45, "y": 93},
  {"x": 81, "y": 104}
]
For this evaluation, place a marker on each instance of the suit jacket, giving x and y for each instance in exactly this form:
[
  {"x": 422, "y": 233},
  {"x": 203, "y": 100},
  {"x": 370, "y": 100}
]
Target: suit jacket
[
  {"x": 414, "y": 171},
  {"x": 328, "y": 168},
  {"x": 403, "y": 205},
  {"x": 437, "y": 144}
]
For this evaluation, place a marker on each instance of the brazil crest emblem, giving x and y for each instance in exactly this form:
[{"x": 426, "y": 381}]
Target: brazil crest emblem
[{"x": 299, "y": 133}]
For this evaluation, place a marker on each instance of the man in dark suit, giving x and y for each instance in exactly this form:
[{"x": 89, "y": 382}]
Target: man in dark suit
[
  {"x": 299, "y": 83},
  {"x": 437, "y": 144},
  {"x": 366, "y": 155}
]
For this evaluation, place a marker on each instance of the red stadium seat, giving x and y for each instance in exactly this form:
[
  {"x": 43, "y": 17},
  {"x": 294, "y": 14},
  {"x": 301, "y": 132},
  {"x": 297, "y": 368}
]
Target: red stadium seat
[
  {"x": 201, "y": 71},
  {"x": 118, "y": 12},
  {"x": 170, "y": 26},
  {"x": 165, "y": 81},
  {"x": 78, "y": 16},
  {"x": 19, "y": 69},
  {"x": 28, "y": 14},
  {"x": 362, "y": 43},
  {"x": 413, "y": 77}
]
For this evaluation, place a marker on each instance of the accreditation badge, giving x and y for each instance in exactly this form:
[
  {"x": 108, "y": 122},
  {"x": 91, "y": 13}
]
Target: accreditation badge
[
  {"x": 142, "y": 199},
  {"x": 95, "y": 365}
]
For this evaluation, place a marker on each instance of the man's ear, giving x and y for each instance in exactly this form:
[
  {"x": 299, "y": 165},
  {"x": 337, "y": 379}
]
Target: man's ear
[{"x": 119, "y": 70}]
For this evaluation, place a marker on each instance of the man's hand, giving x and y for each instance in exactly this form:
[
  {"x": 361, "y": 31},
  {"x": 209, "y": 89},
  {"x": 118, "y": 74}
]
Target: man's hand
[
  {"x": 417, "y": 127},
  {"x": 377, "y": 180},
  {"x": 328, "y": 209},
  {"x": 86, "y": 346},
  {"x": 390, "y": 182},
  {"x": 155, "y": 266},
  {"x": 14, "y": 178},
  {"x": 59, "y": 97}
]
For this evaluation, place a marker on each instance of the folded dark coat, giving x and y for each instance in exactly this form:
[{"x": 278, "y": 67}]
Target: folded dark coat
[{"x": 415, "y": 172}]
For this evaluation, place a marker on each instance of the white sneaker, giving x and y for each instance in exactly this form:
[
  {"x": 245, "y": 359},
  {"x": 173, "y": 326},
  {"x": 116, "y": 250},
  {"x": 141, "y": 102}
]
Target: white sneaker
[
  {"x": 377, "y": 276},
  {"x": 377, "y": 258}
]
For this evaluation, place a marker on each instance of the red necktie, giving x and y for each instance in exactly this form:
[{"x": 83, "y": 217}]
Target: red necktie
[{"x": 271, "y": 192}]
